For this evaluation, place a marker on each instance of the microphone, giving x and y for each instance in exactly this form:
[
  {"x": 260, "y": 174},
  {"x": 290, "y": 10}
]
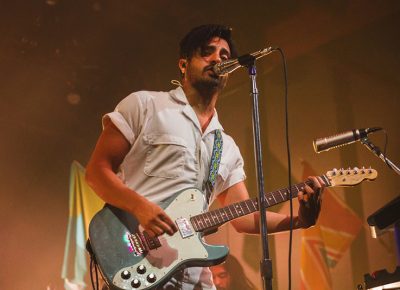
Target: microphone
[
  {"x": 230, "y": 65},
  {"x": 348, "y": 137}
]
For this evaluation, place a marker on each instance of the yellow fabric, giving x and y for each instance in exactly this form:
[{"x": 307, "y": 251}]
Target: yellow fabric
[
  {"x": 83, "y": 205},
  {"x": 87, "y": 201}
]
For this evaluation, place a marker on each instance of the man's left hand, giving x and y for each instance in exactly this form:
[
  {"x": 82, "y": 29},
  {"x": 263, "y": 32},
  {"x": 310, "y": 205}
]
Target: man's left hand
[{"x": 310, "y": 199}]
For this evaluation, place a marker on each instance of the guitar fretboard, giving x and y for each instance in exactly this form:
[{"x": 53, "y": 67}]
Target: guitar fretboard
[{"x": 215, "y": 218}]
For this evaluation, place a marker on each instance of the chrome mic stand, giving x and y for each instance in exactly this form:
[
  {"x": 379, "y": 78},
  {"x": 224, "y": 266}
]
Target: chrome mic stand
[
  {"x": 265, "y": 263},
  {"x": 375, "y": 149}
]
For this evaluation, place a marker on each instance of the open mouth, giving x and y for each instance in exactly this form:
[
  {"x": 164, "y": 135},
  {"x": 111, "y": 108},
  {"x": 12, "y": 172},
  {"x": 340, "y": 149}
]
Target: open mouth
[
  {"x": 213, "y": 75},
  {"x": 209, "y": 69}
]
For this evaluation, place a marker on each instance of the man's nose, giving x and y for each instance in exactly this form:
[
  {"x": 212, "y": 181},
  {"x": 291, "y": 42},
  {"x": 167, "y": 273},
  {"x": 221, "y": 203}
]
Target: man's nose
[
  {"x": 215, "y": 58},
  {"x": 217, "y": 281}
]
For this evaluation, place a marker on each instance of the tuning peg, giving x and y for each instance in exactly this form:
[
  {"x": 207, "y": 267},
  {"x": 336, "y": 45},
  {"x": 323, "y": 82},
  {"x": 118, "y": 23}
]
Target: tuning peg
[
  {"x": 355, "y": 169},
  {"x": 370, "y": 170},
  {"x": 363, "y": 170},
  {"x": 334, "y": 171}
]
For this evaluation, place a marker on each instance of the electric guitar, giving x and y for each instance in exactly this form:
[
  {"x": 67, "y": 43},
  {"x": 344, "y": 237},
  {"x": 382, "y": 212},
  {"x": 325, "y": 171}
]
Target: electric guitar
[{"x": 129, "y": 258}]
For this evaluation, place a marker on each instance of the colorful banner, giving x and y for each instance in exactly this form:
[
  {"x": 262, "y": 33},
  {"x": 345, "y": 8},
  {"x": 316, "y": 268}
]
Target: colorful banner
[
  {"x": 324, "y": 244},
  {"x": 83, "y": 204}
]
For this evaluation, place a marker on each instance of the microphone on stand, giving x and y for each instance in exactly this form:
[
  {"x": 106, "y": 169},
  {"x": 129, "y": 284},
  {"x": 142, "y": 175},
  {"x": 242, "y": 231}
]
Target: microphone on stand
[
  {"x": 230, "y": 65},
  {"x": 348, "y": 137}
]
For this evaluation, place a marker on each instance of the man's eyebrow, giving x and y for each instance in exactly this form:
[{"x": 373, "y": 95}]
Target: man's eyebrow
[{"x": 207, "y": 47}]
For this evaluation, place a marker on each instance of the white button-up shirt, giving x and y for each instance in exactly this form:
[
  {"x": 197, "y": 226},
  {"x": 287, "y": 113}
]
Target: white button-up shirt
[{"x": 169, "y": 152}]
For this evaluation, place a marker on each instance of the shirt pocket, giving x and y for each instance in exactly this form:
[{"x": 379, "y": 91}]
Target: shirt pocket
[
  {"x": 165, "y": 156},
  {"x": 223, "y": 172}
]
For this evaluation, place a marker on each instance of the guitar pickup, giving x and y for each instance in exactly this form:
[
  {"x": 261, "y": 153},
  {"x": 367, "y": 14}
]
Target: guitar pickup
[
  {"x": 184, "y": 227},
  {"x": 141, "y": 243}
]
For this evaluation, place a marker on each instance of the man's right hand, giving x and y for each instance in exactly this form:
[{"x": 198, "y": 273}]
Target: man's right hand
[{"x": 153, "y": 218}]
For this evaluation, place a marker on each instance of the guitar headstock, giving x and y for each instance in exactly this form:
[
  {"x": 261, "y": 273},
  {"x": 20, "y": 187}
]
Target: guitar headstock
[{"x": 350, "y": 177}]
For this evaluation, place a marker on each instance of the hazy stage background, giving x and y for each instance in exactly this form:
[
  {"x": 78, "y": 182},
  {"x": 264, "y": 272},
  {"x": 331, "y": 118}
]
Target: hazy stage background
[{"x": 63, "y": 64}]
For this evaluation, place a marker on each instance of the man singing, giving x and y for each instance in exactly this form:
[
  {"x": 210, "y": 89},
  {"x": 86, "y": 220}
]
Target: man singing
[{"x": 157, "y": 143}]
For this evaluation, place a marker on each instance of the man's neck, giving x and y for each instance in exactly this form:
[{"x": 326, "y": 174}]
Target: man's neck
[{"x": 202, "y": 103}]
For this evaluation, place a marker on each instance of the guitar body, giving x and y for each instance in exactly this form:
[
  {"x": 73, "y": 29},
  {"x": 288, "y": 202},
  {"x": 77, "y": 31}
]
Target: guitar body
[{"x": 126, "y": 264}]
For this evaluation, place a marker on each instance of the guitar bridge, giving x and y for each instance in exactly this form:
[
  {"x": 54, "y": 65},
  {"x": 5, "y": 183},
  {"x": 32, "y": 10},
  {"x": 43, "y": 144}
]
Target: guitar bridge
[
  {"x": 184, "y": 227},
  {"x": 142, "y": 243},
  {"x": 137, "y": 245}
]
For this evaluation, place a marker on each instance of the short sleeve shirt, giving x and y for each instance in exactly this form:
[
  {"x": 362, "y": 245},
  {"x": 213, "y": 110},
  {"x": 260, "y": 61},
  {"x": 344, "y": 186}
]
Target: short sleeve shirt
[{"x": 169, "y": 152}]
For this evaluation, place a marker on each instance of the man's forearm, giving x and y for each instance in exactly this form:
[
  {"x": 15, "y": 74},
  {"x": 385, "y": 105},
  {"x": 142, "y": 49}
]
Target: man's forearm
[
  {"x": 111, "y": 189},
  {"x": 275, "y": 223}
]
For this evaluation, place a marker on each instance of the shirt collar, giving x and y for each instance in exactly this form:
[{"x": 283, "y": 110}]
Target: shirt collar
[
  {"x": 179, "y": 95},
  {"x": 214, "y": 124}
]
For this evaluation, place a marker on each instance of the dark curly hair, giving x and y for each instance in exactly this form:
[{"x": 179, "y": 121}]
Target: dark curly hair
[
  {"x": 200, "y": 36},
  {"x": 238, "y": 279}
]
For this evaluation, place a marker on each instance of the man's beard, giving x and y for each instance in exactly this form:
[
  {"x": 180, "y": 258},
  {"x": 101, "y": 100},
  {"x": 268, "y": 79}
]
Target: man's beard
[{"x": 207, "y": 86}]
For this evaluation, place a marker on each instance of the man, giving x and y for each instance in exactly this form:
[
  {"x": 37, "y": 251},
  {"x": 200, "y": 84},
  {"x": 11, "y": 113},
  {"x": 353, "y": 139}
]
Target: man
[
  {"x": 230, "y": 276},
  {"x": 157, "y": 143}
]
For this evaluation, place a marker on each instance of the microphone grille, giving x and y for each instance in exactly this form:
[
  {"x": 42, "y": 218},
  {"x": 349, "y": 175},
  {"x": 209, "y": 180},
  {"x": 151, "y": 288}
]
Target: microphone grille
[{"x": 335, "y": 141}]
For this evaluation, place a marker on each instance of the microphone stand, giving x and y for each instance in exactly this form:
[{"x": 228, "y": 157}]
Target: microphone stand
[
  {"x": 266, "y": 263},
  {"x": 375, "y": 149}
]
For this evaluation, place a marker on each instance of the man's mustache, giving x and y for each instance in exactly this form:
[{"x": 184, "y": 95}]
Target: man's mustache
[{"x": 208, "y": 67}]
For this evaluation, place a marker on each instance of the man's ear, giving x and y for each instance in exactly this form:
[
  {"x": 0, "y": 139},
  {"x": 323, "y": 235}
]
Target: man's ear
[{"x": 182, "y": 65}]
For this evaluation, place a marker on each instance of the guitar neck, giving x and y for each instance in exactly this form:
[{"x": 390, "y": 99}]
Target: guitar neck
[{"x": 213, "y": 219}]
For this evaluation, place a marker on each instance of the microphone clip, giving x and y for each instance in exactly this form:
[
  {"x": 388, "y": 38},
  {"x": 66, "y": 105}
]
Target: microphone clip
[{"x": 247, "y": 60}]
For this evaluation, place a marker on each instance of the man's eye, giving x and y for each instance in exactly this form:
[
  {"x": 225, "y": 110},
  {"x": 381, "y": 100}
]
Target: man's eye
[
  {"x": 222, "y": 275},
  {"x": 206, "y": 52}
]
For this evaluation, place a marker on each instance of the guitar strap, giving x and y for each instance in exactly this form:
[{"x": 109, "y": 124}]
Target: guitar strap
[{"x": 214, "y": 165}]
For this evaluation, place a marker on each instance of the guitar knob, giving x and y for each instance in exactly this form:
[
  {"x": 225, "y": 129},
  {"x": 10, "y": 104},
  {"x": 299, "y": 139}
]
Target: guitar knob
[
  {"x": 135, "y": 283},
  {"x": 125, "y": 275},
  {"x": 141, "y": 269},
  {"x": 151, "y": 278}
]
